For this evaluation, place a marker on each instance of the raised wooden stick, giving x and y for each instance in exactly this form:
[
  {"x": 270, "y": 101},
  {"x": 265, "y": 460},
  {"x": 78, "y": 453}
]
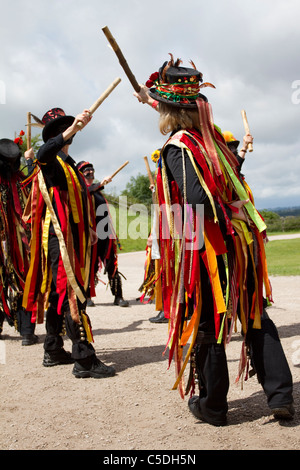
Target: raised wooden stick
[
  {"x": 246, "y": 126},
  {"x": 28, "y": 130},
  {"x": 104, "y": 182},
  {"x": 112, "y": 176},
  {"x": 119, "y": 169},
  {"x": 103, "y": 97},
  {"x": 149, "y": 171},
  {"x": 121, "y": 58}
]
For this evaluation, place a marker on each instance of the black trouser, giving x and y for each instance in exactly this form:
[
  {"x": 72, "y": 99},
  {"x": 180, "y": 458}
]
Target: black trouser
[
  {"x": 211, "y": 359},
  {"x": 114, "y": 277},
  {"x": 266, "y": 354},
  {"x": 213, "y": 379},
  {"x": 54, "y": 322},
  {"x": 270, "y": 364},
  {"x": 267, "y": 358},
  {"x": 24, "y": 323},
  {"x": 113, "y": 274}
]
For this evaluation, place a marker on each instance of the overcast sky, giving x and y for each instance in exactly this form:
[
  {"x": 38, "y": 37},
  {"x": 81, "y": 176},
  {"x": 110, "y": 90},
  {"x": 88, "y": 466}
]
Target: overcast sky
[{"x": 54, "y": 54}]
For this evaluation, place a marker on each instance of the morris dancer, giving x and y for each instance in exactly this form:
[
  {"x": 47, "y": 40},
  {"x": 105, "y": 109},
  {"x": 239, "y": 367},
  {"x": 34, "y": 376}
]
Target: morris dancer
[
  {"x": 62, "y": 234},
  {"x": 223, "y": 278},
  {"x": 107, "y": 255}
]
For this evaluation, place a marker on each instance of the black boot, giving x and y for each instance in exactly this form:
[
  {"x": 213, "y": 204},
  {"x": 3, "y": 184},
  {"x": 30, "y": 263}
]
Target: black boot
[
  {"x": 57, "y": 357},
  {"x": 121, "y": 302},
  {"x": 194, "y": 407},
  {"x": 29, "y": 340},
  {"x": 92, "y": 367},
  {"x": 160, "y": 318},
  {"x": 284, "y": 412}
]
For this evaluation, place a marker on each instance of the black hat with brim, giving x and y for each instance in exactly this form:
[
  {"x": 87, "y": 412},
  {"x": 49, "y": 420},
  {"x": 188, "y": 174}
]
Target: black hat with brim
[
  {"x": 9, "y": 150},
  {"x": 56, "y": 126},
  {"x": 233, "y": 145},
  {"x": 186, "y": 78}
]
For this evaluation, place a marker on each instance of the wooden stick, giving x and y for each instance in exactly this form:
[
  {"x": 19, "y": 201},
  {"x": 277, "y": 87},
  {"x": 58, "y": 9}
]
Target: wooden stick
[
  {"x": 121, "y": 58},
  {"x": 119, "y": 169},
  {"x": 246, "y": 126},
  {"x": 149, "y": 171},
  {"x": 113, "y": 175},
  {"x": 28, "y": 130},
  {"x": 103, "y": 97}
]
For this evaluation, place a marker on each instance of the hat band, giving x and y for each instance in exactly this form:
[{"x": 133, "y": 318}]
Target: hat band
[{"x": 178, "y": 92}]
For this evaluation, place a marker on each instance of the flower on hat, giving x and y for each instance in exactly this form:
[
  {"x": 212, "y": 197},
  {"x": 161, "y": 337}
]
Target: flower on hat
[
  {"x": 18, "y": 140},
  {"x": 152, "y": 79}
]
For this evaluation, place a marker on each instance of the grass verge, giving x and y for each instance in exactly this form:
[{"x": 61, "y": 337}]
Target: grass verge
[{"x": 283, "y": 257}]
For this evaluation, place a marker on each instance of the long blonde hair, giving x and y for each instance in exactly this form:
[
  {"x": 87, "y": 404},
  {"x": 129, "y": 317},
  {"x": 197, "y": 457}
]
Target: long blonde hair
[{"x": 173, "y": 118}]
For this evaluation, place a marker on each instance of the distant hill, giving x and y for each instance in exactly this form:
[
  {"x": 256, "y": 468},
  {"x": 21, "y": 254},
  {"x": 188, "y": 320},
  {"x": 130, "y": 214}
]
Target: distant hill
[{"x": 286, "y": 211}]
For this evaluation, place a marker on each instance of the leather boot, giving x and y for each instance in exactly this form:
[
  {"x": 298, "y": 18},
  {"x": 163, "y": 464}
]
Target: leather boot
[
  {"x": 92, "y": 367},
  {"x": 194, "y": 407},
  {"x": 29, "y": 340},
  {"x": 160, "y": 318},
  {"x": 57, "y": 357},
  {"x": 121, "y": 302}
]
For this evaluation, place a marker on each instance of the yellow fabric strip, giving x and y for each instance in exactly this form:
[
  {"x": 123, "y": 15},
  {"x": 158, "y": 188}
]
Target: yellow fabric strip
[
  {"x": 214, "y": 273},
  {"x": 246, "y": 232},
  {"x": 157, "y": 287},
  {"x": 87, "y": 328},
  {"x": 45, "y": 238},
  {"x": 70, "y": 191}
]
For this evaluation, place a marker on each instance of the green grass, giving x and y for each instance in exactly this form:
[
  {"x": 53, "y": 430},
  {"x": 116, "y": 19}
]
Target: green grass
[
  {"x": 283, "y": 257},
  {"x": 132, "y": 229}
]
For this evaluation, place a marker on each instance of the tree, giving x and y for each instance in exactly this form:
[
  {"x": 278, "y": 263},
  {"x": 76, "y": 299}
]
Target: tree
[
  {"x": 272, "y": 220},
  {"x": 137, "y": 190}
]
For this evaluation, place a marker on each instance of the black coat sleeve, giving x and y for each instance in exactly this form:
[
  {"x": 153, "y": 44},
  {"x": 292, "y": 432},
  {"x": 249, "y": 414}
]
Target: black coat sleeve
[{"x": 47, "y": 152}]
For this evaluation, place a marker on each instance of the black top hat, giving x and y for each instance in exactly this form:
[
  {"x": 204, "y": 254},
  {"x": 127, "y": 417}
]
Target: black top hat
[
  {"x": 10, "y": 155},
  {"x": 55, "y": 121},
  {"x": 233, "y": 146},
  {"x": 177, "y": 86},
  {"x": 9, "y": 150}
]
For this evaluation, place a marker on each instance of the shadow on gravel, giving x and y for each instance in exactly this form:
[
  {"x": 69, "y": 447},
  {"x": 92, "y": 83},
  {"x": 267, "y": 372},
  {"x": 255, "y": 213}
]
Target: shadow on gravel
[
  {"x": 253, "y": 408},
  {"x": 124, "y": 358}
]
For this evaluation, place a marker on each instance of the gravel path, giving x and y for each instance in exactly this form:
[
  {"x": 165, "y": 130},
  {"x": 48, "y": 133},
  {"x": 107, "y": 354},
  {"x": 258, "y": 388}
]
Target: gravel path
[{"x": 49, "y": 409}]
